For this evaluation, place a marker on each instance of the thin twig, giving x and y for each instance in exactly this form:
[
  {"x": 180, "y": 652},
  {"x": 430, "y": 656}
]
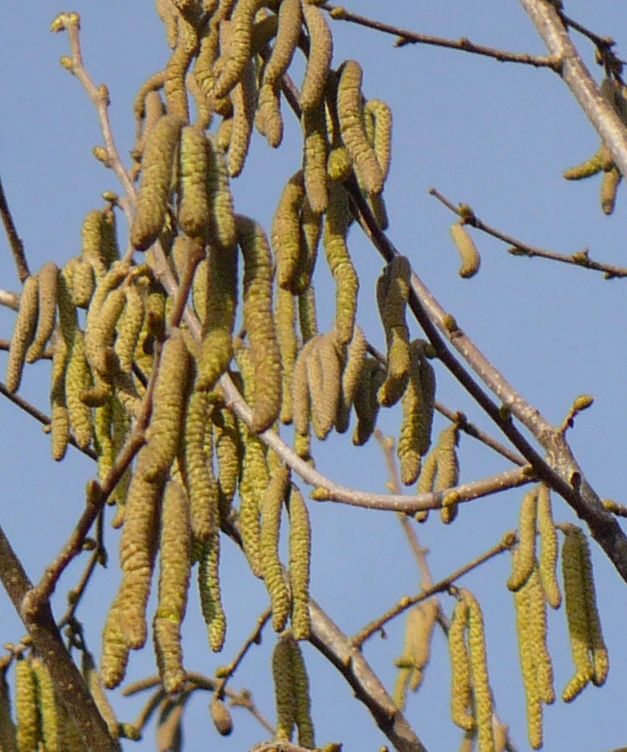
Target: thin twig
[
  {"x": 9, "y": 299},
  {"x": 405, "y": 36},
  {"x": 17, "y": 246},
  {"x": 518, "y": 248},
  {"x": 404, "y": 603}
]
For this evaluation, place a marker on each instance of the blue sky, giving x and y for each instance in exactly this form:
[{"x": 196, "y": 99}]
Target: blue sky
[{"x": 497, "y": 136}]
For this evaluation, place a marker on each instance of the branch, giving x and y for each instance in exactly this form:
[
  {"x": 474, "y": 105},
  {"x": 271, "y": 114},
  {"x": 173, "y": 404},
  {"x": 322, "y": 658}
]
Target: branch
[
  {"x": 404, "y": 37},
  {"x": 50, "y": 648},
  {"x": 9, "y": 299},
  {"x": 576, "y": 76},
  {"x": 17, "y": 246}
]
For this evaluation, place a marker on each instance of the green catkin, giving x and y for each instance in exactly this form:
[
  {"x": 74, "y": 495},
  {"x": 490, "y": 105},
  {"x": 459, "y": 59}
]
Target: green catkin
[
  {"x": 176, "y": 69},
  {"x": 525, "y": 559},
  {"x": 49, "y": 710},
  {"x": 382, "y": 133},
  {"x": 482, "y": 693},
  {"x": 114, "y": 648},
  {"x": 318, "y": 60},
  {"x": 339, "y": 166},
  {"x": 229, "y": 454},
  {"x": 599, "y": 162},
  {"x": 268, "y": 118},
  {"x": 288, "y": 31},
  {"x": 324, "y": 378},
  {"x": 365, "y": 401},
  {"x": 78, "y": 378},
  {"x": 349, "y": 110},
  {"x": 271, "y": 508},
  {"x": 174, "y": 571},
  {"x": 23, "y": 332},
  {"x": 244, "y": 98},
  {"x": 285, "y": 323},
  {"x": 538, "y": 637},
  {"x": 461, "y": 693},
  {"x": 307, "y": 316},
  {"x": 8, "y": 742},
  {"x": 110, "y": 247},
  {"x": 130, "y": 324},
  {"x": 259, "y": 322},
  {"x": 223, "y": 230},
  {"x": 419, "y": 628},
  {"x": 157, "y": 167},
  {"x": 201, "y": 484},
  {"x": 92, "y": 242},
  {"x": 549, "y": 548},
  {"x": 468, "y": 253},
  {"x": 447, "y": 471},
  {"x": 210, "y": 594},
  {"x": 284, "y": 689},
  {"x": 100, "y": 334},
  {"x": 195, "y": 163},
  {"x": 168, "y": 407},
  {"x": 311, "y": 229},
  {"x": 351, "y": 373},
  {"x": 340, "y": 263},
  {"x": 302, "y": 700},
  {"x": 300, "y": 564},
  {"x": 80, "y": 275},
  {"x": 609, "y": 189},
  {"x": 315, "y": 154},
  {"x": 28, "y": 733},
  {"x": 59, "y": 418},
  {"x": 239, "y": 49},
  {"x": 47, "y": 309},
  {"x": 264, "y": 31},
  {"x": 286, "y": 232},
  {"x": 300, "y": 388},
  {"x": 392, "y": 297},
  {"x": 223, "y": 136}
]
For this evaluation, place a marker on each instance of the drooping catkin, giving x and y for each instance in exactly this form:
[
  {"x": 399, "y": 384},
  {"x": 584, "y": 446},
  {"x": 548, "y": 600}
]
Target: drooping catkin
[
  {"x": 524, "y": 561},
  {"x": 366, "y": 403},
  {"x": 609, "y": 189},
  {"x": 228, "y": 449},
  {"x": 28, "y": 732},
  {"x": 92, "y": 251},
  {"x": 97, "y": 691},
  {"x": 300, "y": 563},
  {"x": 8, "y": 741},
  {"x": 286, "y": 232},
  {"x": 353, "y": 364},
  {"x": 23, "y": 332},
  {"x": 340, "y": 263},
  {"x": 285, "y": 323},
  {"x": 392, "y": 297},
  {"x": 319, "y": 58},
  {"x": 50, "y": 720},
  {"x": 324, "y": 370},
  {"x": 311, "y": 229},
  {"x": 77, "y": 379},
  {"x": 419, "y": 628},
  {"x": 253, "y": 482},
  {"x": 600, "y": 161},
  {"x": 285, "y": 43},
  {"x": 382, "y": 133},
  {"x": 210, "y": 592},
  {"x": 283, "y": 676},
  {"x": 157, "y": 167},
  {"x": 174, "y": 571},
  {"x": 302, "y": 700},
  {"x": 315, "y": 154},
  {"x": 244, "y": 98},
  {"x": 130, "y": 324},
  {"x": 468, "y": 253},
  {"x": 239, "y": 48},
  {"x": 80, "y": 274},
  {"x": 481, "y": 691},
  {"x": 259, "y": 322},
  {"x": 59, "y": 416},
  {"x": 268, "y": 118},
  {"x": 47, "y": 308},
  {"x": 114, "y": 648},
  {"x": 349, "y": 110},
  {"x": 195, "y": 163},
  {"x": 461, "y": 693},
  {"x": 223, "y": 231},
  {"x": 549, "y": 548},
  {"x": 307, "y": 315},
  {"x": 271, "y": 509}
]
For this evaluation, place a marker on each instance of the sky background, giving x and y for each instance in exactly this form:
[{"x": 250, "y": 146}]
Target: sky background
[{"x": 494, "y": 135}]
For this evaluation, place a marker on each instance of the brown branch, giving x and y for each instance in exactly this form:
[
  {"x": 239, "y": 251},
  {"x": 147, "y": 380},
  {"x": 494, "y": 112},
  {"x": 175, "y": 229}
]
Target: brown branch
[
  {"x": 405, "y": 36},
  {"x": 17, "y": 246},
  {"x": 49, "y": 645},
  {"x": 9, "y": 299},
  {"x": 509, "y": 539},
  {"x": 518, "y": 248}
]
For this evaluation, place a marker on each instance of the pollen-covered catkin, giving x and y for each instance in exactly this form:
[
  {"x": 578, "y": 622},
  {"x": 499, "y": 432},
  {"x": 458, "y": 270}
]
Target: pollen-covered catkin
[
  {"x": 157, "y": 166},
  {"x": 97, "y": 691},
  {"x": 92, "y": 242},
  {"x": 300, "y": 563},
  {"x": 319, "y": 59},
  {"x": 286, "y": 232},
  {"x": 392, "y": 297},
  {"x": 78, "y": 378},
  {"x": 195, "y": 162},
  {"x": 23, "y": 332},
  {"x": 240, "y": 45},
  {"x": 549, "y": 548},
  {"x": 130, "y": 324},
  {"x": 210, "y": 593},
  {"x": 468, "y": 253},
  {"x": 244, "y": 98},
  {"x": 382, "y": 133},
  {"x": 48, "y": 707},
  {"x": 601, "y": 160},
  {"x": 609, "y": 189},
  {"x": 307, "y": 315},
  {"x": 285, "y": 323},
  {"x": 286, "y": 41},
  {"x": 223, "y": 231},
  {"x": 538, "y": 638},
  {"x": 353, "y": 364},
  {"x": 524, "y": 562},
  {"x": 311, "y": 228},
  {"x": 365, "y": 402},
  {"x": 271, "y": 509},
  {"x": 268, "y": 118},
  {"x": 8, "y": 741},
  {"x": 47, "y": 309},
  {"x": 228, "y": 451},
  {"x": 283, "y": 676},
  {"x": 419, "y": 628},
  {"x": 302, "y": 700},
  {"x": 28, "y": 732},
  {"x": 340, "y": 263},
  {"x": 114, "y": 648},
  {"x": 59, "y": 417},
  {"x": 461, "y": 694},
  {"x": 315, "y": 155},
  {"x": 349, "y": 110},
  {"x": 174, "y": 571},
  {"x": 324, "y": 380},
  {"x": 481, "y": 691},
  {"x": 259, "y": 322}
]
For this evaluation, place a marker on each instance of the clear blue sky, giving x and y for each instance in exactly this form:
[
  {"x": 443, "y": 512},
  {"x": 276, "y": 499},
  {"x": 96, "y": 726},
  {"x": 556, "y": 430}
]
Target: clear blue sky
[{"x": 494, "y": 135}]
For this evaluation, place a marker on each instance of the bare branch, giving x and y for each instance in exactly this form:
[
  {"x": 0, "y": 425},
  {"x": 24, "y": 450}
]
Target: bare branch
[
  {"x": 17, "y": 246},
  {"x": 9, "y": 299}
]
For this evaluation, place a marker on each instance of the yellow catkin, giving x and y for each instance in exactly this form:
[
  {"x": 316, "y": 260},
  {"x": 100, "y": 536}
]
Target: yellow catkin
[
  {"x": 100, "y": 334},
  {"x": 28, "y": 732},
  {"x": 81, "y": 277},
  {"x": 49, "y": 710},
  {"x": 392, "y": 296},
  {"x": 168, "y": 407},
  {"x": 468, "y": 253},
  {"x": 300, "y": 564},
  {"x": 195, "y": 163},
  {"x": 286, "y": 232},
  {"x": 271, "y": 508},
  {"x": 97, "y": 691},
  {"x": 419, "y": 628},
  {"x": 78, "y": 378},
  {"x": 210, "y": 593},
  {"x": 340, "y": 263},
  {"x": 601, "y": 160},
  {"x": 23, "y": 332},
  {"x": 311, "y": 228},
  {"x": 244, "y": 98},
  {"x": 174, "y": 571},
  {"x": 253, "y": 482},
  {"x": 300, "y": 388},
  {"x": 302, "y": 700},
  {"x": 59, "y": 416},
  {"x": 157, "y": 166},
  {"x": 482, "y": 693},
  {"x": 461, "y": 694},
  {"x": 284, "y": 690},
  {"x": 264, "y": 31},
  {"x": 307, "y": 316},
  {"x": 315, "y": 154},
  {"x": 201, "y": 483},
  {"x": 549, "y": 548},
  {"x": 114, "y": 649},
  {"x": 110, "y": 247},
  {"x": 524, "y": 562},
  {"x": 130, "y": 324},
  {"x": 47, "y": 309},
  {"x": 349, "y": 110},
  {"x": 92, "y": 242},
  {"x": 538, "y": 638},
  {"x": 285, "y": 322},
  {"x": 223, "y": 231},
  {"x": 259, "y": 322},
  {"x": 352, "y": 367},
  {"x": 8, "y": 741},
  {"x": 239, "y": 49},
  {"x": 447, "y": 471},
  {"x": 339, "y": 166},
  {"x": 382, "y": 133},
  {"x": 228, "y": 451},
  {"x": 268, "y": 118},
  {"x": 319, "y": 58},
  {"x": 324, "y": 380},
  {"x": 609, "y": 188},
  {"x": 288, "y": 31},
  {"x": 365, "y": 402}
]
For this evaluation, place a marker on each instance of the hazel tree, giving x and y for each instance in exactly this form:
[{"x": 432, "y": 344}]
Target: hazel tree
[{"x": 213, "y": 364}]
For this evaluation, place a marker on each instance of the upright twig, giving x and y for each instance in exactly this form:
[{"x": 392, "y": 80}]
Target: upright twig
[{"x": 17, "y": 246}]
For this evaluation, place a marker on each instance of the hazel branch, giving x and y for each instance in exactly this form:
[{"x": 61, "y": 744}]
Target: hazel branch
[{"x": 15, "y": 242}]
